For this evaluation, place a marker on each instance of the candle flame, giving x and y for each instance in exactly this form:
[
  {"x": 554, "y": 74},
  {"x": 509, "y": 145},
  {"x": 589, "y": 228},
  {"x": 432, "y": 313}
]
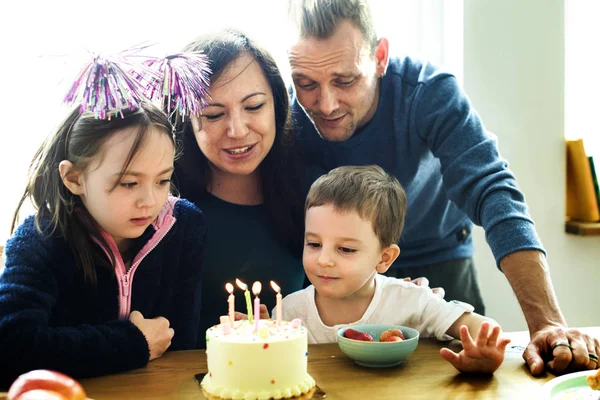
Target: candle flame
[
  {"x": 256, "y": 288},
  {"x": 229, "y": 287},
  {"x": 275, "y": 287},
  {"x": 241, "y": 284}
]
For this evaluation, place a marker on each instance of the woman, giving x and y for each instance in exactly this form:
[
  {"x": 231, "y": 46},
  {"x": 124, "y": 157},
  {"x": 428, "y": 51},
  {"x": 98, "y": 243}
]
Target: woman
[{"x": 238, "y": 168}]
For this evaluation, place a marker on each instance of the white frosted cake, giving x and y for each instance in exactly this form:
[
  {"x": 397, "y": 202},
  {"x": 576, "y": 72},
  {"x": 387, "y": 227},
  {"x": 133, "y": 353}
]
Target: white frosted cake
[{"x": 268, "y": 363}]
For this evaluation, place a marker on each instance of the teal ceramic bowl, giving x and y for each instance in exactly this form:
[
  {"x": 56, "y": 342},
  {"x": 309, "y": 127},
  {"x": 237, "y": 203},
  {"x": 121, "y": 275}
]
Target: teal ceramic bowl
[{"x": 376, "y": 353}]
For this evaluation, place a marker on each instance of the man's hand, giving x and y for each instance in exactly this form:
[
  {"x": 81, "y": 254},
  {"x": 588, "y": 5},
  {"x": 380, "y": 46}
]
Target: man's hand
[
  {"x": 561, "y": 350},
  {"x": 422, "y": 281},
  {"x": 484, "y": 355},
  {"x": 552, "y": 344}
]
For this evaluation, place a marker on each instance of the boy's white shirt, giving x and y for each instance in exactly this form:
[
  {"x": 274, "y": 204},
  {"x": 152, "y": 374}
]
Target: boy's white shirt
[{"x": 395, "y": 302}]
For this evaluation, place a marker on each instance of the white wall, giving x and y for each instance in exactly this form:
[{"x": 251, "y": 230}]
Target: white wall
[
  {"x": 581, "y": 88},
  {"x": 514, "y": 75}
]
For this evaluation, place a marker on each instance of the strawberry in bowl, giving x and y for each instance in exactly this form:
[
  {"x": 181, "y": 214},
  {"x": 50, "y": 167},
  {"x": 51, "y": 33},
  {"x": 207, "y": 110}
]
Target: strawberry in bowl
[{"x": 377, "y": 345}]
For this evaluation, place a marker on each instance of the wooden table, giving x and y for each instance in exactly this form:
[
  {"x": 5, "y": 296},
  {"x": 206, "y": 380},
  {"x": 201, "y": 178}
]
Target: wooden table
[{"x": 425, "y": 375}]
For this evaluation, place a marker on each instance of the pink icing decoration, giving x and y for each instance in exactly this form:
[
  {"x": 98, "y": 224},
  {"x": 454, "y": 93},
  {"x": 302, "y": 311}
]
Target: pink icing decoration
[{"x": 296, "y": 322}]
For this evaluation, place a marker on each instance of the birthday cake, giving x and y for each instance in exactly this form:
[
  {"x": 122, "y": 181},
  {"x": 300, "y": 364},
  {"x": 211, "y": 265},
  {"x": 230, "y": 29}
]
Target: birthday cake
[{"x": 249, "y": 363}]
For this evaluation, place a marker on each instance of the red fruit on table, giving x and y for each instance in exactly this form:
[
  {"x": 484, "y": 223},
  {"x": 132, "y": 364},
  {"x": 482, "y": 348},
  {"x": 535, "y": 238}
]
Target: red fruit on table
[
  {"x": 40, "y": 381},
  {"x": 356, "y": 335}
]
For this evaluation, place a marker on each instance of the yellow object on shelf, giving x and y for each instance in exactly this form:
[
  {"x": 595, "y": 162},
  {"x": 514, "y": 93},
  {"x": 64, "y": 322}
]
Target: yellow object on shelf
[{"x": 582, "y": 204}]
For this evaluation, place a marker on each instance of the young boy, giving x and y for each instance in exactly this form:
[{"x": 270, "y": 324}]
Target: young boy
[{"x": 354, "y": 218}]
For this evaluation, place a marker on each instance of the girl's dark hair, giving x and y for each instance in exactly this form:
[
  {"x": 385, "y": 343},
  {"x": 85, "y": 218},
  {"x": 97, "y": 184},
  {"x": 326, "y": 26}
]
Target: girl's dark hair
[
  {"x": 78, "y": 140},
  {"x": 281, "y": 187}
]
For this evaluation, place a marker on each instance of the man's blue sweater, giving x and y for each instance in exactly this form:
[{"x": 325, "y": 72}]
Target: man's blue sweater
[{"x": 426, "y": 133}]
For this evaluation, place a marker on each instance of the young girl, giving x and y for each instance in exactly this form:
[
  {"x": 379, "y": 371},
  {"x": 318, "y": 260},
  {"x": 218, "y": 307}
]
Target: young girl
[{"x": 107, "y": 275}]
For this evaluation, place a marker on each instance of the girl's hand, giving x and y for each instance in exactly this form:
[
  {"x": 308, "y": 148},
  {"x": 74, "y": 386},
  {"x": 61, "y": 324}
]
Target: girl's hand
[
  {"x": 155, "y": 330},
  {"x": 264, "y": 313},
  {"x": 483, "y": 356}
]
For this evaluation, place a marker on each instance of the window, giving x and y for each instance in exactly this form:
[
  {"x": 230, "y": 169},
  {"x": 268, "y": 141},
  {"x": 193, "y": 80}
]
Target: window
[
  {"x": 45, "y": 44},
  {"x": 582, "y": 82}
]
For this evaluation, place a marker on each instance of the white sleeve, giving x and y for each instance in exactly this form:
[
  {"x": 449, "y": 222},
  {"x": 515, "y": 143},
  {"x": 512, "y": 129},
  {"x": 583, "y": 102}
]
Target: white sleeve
[
  {"x": 439, "y": 315},
  {"x": 404, "y": 303}
]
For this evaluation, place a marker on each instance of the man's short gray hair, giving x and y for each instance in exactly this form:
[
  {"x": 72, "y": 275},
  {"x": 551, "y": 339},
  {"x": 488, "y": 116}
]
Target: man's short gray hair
[{"x": 320, "y": 18}]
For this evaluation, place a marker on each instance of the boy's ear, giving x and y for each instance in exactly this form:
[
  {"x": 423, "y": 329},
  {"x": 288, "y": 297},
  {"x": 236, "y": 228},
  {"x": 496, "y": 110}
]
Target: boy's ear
[
  {"x": 388, "y": 256},
  {"x": 71, "y": 178}
]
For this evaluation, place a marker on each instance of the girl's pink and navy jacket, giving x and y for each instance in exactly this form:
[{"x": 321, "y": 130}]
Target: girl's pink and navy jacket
[{"x": 51, "y": 319}]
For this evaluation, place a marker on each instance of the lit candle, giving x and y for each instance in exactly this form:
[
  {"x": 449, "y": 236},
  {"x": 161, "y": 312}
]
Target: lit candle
[
  {"x": 244, "y": 287},
  {"x": 256, "y": 287},
  {"x": 277, "y": 302},
  {"x": 231, "y": 302}
]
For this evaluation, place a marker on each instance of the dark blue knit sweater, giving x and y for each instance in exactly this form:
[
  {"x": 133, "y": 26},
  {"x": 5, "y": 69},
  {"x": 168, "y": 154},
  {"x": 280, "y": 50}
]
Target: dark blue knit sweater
[
  {"x": 427, "y": 135},
  {"x": 50, "y": 318}
]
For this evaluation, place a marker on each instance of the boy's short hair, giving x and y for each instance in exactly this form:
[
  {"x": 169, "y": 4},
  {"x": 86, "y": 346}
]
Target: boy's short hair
[{"x": 368, "y": 190}]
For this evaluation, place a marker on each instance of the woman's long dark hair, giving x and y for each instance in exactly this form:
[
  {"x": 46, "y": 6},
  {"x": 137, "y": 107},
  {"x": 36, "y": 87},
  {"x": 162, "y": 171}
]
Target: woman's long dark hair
[
  {"x": 79, "y": 139},
  {"x": 281, "y": 184}
]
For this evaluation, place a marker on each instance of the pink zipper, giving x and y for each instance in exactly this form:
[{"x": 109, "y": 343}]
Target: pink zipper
[
  {"x": 120, "y": 272},
  {"x": 125, "y": 278},
  {"x": 125, "y": 295}
]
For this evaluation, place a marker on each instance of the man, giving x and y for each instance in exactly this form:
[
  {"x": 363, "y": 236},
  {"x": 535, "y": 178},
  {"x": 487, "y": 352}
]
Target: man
[{"x": 354, "y": 105}]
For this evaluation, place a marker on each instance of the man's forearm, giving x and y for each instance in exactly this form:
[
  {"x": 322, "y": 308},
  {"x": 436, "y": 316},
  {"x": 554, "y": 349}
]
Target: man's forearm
[{"x": 528, "y": 275}]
